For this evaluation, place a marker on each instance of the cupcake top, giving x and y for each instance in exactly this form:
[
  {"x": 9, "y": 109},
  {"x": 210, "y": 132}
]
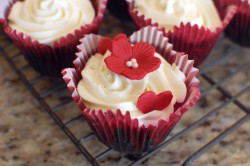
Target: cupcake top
[
  {"x": 48, "y": 20},
  {"x": 170, "y": 13},
  {"x": 131, "y": 78}
]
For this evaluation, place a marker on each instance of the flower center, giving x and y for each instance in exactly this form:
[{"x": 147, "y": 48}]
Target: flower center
[{"x": 132, "y": 63}]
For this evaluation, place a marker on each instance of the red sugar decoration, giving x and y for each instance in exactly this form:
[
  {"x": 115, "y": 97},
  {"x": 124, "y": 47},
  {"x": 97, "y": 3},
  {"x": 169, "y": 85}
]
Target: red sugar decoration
[
  {"x": 123, "y": 51},
  {"x": 149, "y": 101}
]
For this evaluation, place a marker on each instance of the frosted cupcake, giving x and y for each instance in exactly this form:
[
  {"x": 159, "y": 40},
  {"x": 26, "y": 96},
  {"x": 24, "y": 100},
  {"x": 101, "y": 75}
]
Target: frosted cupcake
[
  {"x": 47, "y": 31},
  {"x": 132, "y": 91},
  {"x": 238, "y": 29},
  {"x": 192, "y": 26}
]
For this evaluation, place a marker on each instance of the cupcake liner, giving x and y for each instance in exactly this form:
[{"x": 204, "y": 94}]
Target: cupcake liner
[
  {"x": 117, "y": 130},
  {"x": 119, "y": 8},
  {"x": 238, "y": 30},
  {"x": 51, "y": 59},
  {"x": 196, "y": 41}
]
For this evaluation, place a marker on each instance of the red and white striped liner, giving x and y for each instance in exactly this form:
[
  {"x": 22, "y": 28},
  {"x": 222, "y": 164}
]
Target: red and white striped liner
[
  {"x": 238, "y": 29},
  {"x": 118, "y": 131},
  {"x": 196, "y": 42},
  {"x": 51, "y": 59}
]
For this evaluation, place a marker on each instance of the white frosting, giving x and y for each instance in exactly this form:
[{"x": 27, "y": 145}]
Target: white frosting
[
  {"x": 48, "y": 20},
  {"x": 102, "y": 89},
  {"x": 169, "y": 13}
]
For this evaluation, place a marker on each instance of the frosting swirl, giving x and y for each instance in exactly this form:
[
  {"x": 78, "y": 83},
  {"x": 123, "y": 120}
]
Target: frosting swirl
[
  {"x": 169, "y": 13},
  {"x": 102, "y": 89},
  {"x": 48, "y": 20}
]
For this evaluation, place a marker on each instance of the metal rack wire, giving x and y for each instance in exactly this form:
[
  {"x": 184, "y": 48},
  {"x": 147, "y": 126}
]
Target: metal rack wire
[{"x": 69, "y": 120}]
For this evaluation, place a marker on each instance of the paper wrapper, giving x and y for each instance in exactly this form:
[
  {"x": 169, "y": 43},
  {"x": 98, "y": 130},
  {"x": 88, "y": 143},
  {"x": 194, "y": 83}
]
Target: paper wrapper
[
  {"x": 118, "y": 131},
  {"x": 119, "y": 8},
  {"x": 238, "y": 30},
  {"x": 51, "y": 59},
  {"x": 196, "y": 41}
]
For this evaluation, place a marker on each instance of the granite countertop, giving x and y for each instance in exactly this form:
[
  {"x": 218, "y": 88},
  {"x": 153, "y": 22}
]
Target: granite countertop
[{"x": 28, "y": 136}]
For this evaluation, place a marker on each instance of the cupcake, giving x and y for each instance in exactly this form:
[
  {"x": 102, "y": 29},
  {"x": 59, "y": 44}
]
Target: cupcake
[
  {"x": 238, "y": 30},
  {"x": 132, "y": 91},
  {"x": 48, "y": 31},
  {"x": 192, "y": 26}
]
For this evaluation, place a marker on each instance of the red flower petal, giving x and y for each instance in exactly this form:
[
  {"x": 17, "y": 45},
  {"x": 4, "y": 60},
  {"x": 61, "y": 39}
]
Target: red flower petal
[
  {"x": 104, "y": 45},
  {"x": 122, "y": 49},
  {"x": 143, "y": 50},
  {"x": 134, "y": 74},
  {"x": 149, "y": 64},
  {"x": 144, "y": 54},
  {"x": 149, "y": 101},
  {"x": 115, "y": 64},
  {"x": 120, "y": 36}
]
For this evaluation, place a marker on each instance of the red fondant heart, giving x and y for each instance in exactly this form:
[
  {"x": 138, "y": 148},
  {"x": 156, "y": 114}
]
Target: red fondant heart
[{"x": 149, "y": 101}]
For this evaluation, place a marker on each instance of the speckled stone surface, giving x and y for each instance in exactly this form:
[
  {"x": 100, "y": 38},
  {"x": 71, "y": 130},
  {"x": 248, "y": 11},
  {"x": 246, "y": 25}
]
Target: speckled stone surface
[{"x": 28, "y": 135}]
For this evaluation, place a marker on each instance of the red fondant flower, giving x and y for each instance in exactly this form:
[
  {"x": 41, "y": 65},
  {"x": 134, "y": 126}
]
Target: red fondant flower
[
  {"x": 106, "y": 43},
  {"x": 133, "y": 62},
  {"x": 149, "y": 101}
]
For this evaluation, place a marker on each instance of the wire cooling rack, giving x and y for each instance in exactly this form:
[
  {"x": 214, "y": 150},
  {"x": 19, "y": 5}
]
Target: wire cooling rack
[{"x": 221, "y": 75}]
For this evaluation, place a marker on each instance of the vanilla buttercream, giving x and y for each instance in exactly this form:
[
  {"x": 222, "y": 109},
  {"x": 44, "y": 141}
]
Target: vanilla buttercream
[
  {"x": 170, "y": 13},
  {"x": 102, "y": 89},
  {"x": 48, "y": 20}
]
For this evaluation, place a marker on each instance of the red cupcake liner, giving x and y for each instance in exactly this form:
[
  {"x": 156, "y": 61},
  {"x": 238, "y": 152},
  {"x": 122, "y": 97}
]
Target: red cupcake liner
[
  {"x": 119, "y": 131},
  {"x": 238, "y": 30},
  {"x": 50, "y": 59},
  {"x": 196, "y": 42}
]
